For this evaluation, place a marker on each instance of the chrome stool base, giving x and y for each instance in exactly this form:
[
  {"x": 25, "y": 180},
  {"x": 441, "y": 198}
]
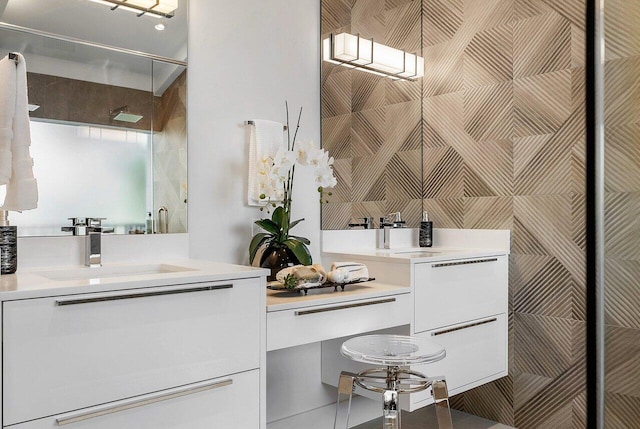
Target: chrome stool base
[{"x": 391, "y": 382}]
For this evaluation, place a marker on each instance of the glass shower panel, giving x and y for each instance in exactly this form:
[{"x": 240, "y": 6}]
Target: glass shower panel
[{"x": 621, "y": 212}]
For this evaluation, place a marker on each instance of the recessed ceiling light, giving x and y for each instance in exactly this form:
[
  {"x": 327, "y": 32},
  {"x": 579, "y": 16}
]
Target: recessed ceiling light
[{"x": 160, "y": 27}]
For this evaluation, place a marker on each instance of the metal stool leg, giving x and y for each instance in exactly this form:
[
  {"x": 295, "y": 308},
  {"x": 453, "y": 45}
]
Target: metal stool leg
[
  {"x": 441, "y": 399},
  {"x": 390, "y": 410},
  {"x": 346, "y": 385}
]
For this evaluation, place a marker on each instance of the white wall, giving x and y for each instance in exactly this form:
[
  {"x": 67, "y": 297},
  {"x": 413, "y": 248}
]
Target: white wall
[{"x": 246, "y": 58}]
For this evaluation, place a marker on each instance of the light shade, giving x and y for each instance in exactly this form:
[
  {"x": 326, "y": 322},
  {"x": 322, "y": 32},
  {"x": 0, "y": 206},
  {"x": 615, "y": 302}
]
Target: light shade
[
  {"x": 157, "y": 8},
  {"x": 355, "y": 52}
]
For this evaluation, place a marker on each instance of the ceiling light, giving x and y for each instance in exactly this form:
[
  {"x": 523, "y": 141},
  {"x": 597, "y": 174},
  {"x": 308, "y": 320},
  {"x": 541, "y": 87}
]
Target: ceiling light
[
  {"x": 160, "y": 27},
  {"x": 122, "y": 114},
  {"x": 155, "y": 8},
  {"x": 33, "y": 107},
  {"x": 365, "y": 54}
]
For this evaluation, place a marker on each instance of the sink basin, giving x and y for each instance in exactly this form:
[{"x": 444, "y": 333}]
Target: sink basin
[
  {"x": 110, "y": 271},
  {"x": 415, "y": 251},
  {"x": 417, "y": 254}
]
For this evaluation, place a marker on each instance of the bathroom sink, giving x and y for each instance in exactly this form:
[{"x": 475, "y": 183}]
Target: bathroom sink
[
  {"x": 111, "y": 271},
  {"x": 416, "y": 251},
  {"x": 415, "y": 254}
]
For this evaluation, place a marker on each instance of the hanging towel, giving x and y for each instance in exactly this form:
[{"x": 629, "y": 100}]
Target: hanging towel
[
  {"x": 15, "y": 137},
  {"x": 266, "y": 138}
]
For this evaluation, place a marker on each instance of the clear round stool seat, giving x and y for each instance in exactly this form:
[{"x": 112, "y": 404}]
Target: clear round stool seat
[{"x": 392, "y": 350}]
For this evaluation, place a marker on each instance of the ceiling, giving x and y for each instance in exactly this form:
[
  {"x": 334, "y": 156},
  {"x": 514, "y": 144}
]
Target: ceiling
[{"x": 95, "y": 22}]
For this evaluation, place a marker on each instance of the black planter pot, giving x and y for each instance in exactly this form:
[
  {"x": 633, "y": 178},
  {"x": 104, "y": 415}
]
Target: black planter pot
[{"x": 276, "y": 259}]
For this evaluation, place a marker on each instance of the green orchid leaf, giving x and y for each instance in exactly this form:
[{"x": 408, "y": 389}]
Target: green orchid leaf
[
  {"x": 300, "y": 250},
  {"x": 269, "y": 226},
  {"x": 304, "y": 240},
  {"x": 257, "y": 241},
  {"x": 281, "y": 219},
  {"x": 294, "y": 223}
]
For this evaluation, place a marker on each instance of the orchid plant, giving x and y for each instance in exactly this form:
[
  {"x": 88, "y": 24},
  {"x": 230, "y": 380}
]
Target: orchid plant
[{"x": 275, "y": 179}]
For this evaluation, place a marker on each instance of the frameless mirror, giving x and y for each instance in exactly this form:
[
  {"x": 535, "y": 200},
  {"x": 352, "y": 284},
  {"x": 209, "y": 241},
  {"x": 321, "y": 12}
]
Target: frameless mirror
[{"x": 108, "y": 124}]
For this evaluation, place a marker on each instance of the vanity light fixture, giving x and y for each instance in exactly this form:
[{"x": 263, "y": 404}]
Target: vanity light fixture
[
  {"x": 33, "y": 107},
  {"x": 155, "y": 8},
  {"x": 356, "y": 52}
]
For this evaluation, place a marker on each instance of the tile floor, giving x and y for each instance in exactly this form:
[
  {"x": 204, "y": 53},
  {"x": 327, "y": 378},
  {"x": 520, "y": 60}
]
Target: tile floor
[{"x": 425, "y": 418}]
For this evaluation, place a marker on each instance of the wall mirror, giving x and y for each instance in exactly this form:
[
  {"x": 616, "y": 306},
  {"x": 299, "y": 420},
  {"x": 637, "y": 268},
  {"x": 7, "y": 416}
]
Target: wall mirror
[{"x": 107, "y": 90}]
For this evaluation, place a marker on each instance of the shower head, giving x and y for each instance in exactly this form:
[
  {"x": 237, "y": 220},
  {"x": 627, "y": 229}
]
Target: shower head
[{"x": 122, "y": 114}]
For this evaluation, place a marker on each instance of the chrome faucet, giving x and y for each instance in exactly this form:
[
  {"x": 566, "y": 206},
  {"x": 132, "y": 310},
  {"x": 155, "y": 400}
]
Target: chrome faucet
[
  {"x": 367, "y": 223},
  {"x": 92, "y": 228},
  {"x": 387, "y": 223}
]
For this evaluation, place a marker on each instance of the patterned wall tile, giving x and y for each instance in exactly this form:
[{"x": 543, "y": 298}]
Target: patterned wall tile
[
  {"x": 336, "y": 136},
  {"x": 367, "y": 19},
  {"x": 549, "y": 217},
  {"x": 493, "y": 401},
  {"x": 488, "y": 168},
  {"x": 541, "y": 44},
  {"x": 480, "y": 15},
  {"x": 621, "y": 411},
  {"x": 445, "y": 213},
  {"x": 543, "y": 345},
  {"x": 622, "y": 226},
  {"x": 374, "y": 209},
  {"x": 404, "y": 27},
  {"x": 404, "y": 177},
  {"x": 403, "y": 126},
  {"x": 341, "y": 193},
  {"x": 411, "y": 210},
  {"x": 443, "y": 120},
  {"x": 622, "y": 372},
  {"x": 578, "y": 47},
  {"x": 488, "y": 112},
  {"x": 367, "y": 131},
  {"x": 367, "y": 91},
  {"x": 488, "y": 58},
  {"x": 334, "y": 14},
  {"x": 542, "y": 103},
  {"x": 442, "y": 65},
  {"x": 443, "y": 173},
  {"x": 622, "y": 300},
  {"x": 336, "y": 94},
  {"x": 621, "y": 91},
  {"x": 621, "y": 30},
  {"x": 488, "y": 213},
  {"x": 336, "y": 215},
  {"x": 401, "y": 91},
  {"x": 526, "y": 386},
  {"x": 622, "y": 157},
  {"x": 441, "y": 19},
  {"x": 543, "y": 286},
  {"x": 369, "y": 182}
]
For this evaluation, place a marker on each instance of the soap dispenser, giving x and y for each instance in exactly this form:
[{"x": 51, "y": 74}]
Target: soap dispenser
[
  {"x": 426, "y": 231},
  {"x": 8, "y": 245}
]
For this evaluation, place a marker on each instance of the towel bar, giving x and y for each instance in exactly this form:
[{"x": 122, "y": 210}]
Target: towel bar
[{"x": 253, "y": 123}]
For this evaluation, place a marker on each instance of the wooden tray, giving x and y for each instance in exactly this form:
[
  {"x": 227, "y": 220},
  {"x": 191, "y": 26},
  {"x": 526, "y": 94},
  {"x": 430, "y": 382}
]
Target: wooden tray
[{"x": 305, "y": 290}]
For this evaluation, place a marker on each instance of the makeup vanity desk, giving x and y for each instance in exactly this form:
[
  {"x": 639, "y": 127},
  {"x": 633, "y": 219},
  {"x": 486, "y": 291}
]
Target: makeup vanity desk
[{"x": 294, "y": 319}]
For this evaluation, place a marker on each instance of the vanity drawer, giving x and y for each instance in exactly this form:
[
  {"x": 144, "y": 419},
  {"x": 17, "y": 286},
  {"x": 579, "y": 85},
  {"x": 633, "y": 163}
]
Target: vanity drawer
[
  {"x": 454, "y": 291},
  {"x": 227, "y": 402},
  {"x": 290, "y": 328},
  {"x": 72, "y": 352},
  {"x": 476, "y": 354}
]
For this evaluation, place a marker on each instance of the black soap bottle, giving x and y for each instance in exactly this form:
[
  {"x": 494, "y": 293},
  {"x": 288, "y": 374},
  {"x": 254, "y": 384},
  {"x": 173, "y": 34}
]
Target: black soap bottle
[
  {"x": 426, "y": 231},
  {"x": 8, "y": 245}
]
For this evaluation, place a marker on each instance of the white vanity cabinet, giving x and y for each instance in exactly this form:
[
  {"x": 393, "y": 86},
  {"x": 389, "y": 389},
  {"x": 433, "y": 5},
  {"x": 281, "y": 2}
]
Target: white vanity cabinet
[{"x": 185, "y": 355}]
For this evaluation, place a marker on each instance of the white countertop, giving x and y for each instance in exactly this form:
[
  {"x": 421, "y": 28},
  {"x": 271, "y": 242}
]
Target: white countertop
[
  {"x": 281, "y": 300},
  {"x": 39, "y": 282},
  {"x": 416, "y": 255}
]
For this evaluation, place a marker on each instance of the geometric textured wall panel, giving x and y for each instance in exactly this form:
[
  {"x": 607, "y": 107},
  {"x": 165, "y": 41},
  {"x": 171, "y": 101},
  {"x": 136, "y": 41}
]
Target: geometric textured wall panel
[{"x": 492, "y": 137}]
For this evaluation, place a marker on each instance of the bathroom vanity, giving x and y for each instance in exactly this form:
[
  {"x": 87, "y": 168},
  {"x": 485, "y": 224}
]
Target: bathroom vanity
[
  {"x": 143, "y": 346},
  {"x": 458, "y": 298}
]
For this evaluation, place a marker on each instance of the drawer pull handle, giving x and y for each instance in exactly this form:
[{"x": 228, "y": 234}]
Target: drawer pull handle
[
  {"x": 134, "y": 403},
  {"x": 473, "y": 261},
  {"x": 343, "y": 307},
  {"x": 61, "y": 302},
  {"x": 459, "y": 328}
]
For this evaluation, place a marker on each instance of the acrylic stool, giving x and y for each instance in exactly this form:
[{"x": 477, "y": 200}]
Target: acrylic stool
[{"x": 391, "y": 352}]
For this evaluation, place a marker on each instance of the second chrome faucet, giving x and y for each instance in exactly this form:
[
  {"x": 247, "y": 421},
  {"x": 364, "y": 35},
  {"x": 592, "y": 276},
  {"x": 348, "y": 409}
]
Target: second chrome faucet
[{"x": 93, "y": 229}]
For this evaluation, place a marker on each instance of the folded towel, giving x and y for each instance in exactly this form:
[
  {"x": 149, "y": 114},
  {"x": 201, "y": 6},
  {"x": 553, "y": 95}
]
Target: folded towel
[
  {"x": 22, "y": 188},
  {"x": 266, "y": 138},
  {"x": 346, "y": 272}
]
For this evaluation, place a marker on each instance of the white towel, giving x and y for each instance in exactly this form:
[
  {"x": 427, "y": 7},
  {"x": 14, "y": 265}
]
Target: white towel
[
  {"x": 266, "y": 138},
  {"x": 15, "y": 137}
]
